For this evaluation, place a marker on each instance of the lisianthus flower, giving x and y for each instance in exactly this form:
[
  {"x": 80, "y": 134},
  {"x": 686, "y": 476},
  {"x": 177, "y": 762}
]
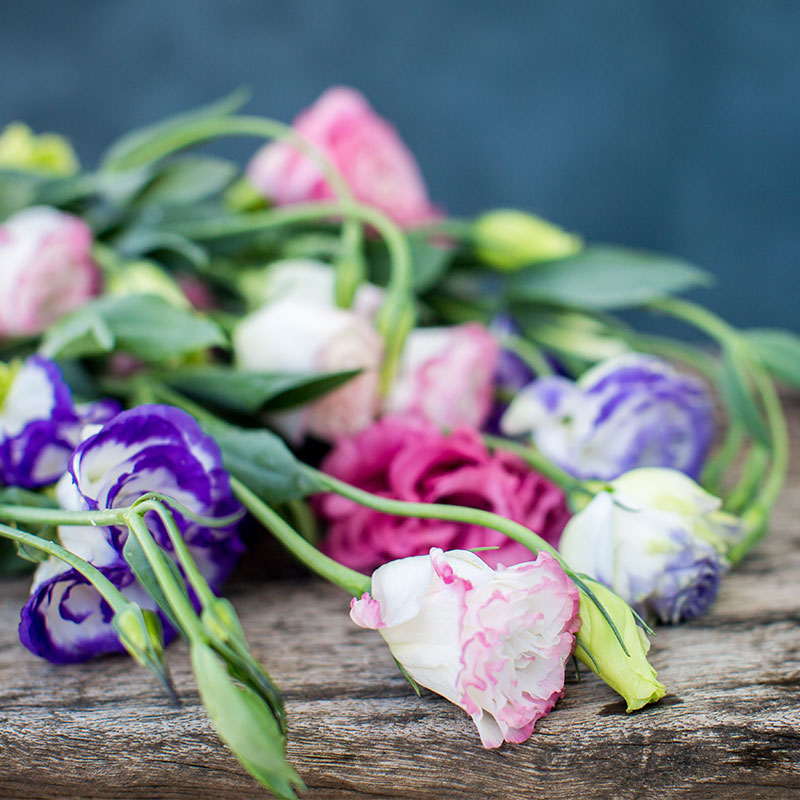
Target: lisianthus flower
[
  {"x": 39, "y": 423},
  {"x": 46, "y": 269},
  {"x": 363, "y": 146},
  {"x": 294, "y": 335},
  {"x": 149, "y": 448},
  {"x": 494, "y": 642},
  {"x": 407, "y": 458},
  {"x": 628, "y": 411},
  {"x": 657, "y": 539},
  {"x": 445, "y": 376}
]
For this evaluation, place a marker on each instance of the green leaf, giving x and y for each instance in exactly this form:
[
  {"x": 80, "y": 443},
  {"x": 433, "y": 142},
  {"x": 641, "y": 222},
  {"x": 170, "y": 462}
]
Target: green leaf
[
  {"x": 262, "y": 461},
  {"x": 143, "y": 325},
  {"x": 779, "y": 350},
  {"x": 601, "y": 277},
  {"x": 188, "y": 180},
  {"x": 244, "y": 722},
  {"x": 738, "y": 395},
  {"x": 249, "y": 392},
  {"x": 430, "y": 262},
  {"x": 139, "y": 242},
  {"x": 140, "y": 146},
  {"x": 17, "y": 191}
]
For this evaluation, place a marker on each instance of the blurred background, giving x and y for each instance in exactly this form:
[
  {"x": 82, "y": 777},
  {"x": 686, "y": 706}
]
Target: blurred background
[{"x": 668, "y": 126}]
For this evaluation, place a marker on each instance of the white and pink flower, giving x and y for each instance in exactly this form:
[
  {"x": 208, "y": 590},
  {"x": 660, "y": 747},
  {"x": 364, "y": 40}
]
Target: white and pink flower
[
  {"x": 494, "y": 642},
  {"x": 294, "y": 336},
  {"x": 363, "y": 146},
  {"x": 446, "y": 376},
  {"x": 46, "y": 269}
]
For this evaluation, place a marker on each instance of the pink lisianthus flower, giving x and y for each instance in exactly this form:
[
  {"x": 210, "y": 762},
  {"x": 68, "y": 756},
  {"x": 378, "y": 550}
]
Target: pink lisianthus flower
[
  {"x": 494, "y": 642},
  {"x": 446, "y": 376},
  {"x": 46, "y": 269},
  {"x": 407, "y": 458},
  {"x": 363, "y": 146}
]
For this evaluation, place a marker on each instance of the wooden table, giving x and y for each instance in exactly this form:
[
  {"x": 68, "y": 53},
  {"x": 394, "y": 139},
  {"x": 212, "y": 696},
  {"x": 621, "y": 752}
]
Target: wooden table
[{"x": 729, "y": 726}]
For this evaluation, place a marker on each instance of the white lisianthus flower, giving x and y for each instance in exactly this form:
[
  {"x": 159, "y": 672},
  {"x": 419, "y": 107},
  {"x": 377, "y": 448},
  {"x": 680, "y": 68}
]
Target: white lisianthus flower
[
  {"x": 292, "y": 335},
  {"x": 657, "y": 539},
  {"x": 494, "y": 642}
]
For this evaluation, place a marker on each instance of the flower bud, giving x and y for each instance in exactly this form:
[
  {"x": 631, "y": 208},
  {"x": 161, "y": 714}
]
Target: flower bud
[
  {"x": 509, "y": 239},
  {"x": 145, "y": 277},
  {"x": 632, "y": 675},
  {"x": 47, "y": 153},
  {"x": 141, "y": 634}
]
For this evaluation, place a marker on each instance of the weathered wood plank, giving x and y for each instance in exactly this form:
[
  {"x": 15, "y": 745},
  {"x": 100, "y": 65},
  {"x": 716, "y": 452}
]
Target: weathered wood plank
[{"x": 729, "y": 728}]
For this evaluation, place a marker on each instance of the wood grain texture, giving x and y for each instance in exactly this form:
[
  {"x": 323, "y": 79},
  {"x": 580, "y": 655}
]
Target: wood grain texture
[{"x": 729, "y": 727}]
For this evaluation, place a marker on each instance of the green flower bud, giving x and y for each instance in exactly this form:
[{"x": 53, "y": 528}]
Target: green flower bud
[
  {"x": 220, "y": 618},
  {"x": 140, "y": 632},
  {"x": 47, "y": 153},
  {"x": 509, "y": 239},
  {"x": 631, "y": 675},
  {"x": 145, "y": 277}
]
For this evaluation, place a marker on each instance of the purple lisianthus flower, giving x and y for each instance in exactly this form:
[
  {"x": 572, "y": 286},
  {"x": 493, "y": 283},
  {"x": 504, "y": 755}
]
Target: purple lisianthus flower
[
  {"x": 151, "y": 448},
  {"x": 628, "y": 411},
  {"x": 39, "y": 423},
  {"x": 657, "y": 539}
]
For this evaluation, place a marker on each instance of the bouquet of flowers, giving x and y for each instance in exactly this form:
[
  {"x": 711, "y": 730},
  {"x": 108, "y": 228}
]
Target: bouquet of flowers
[{"x": 441, "y": 416}]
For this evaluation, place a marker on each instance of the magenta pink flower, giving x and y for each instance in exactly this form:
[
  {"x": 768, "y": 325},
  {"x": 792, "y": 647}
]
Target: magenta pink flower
[
  {"x": 46, "y": 269},
  {"x": 409, "y": 459},
  {"x": 493, "y": 642},
  {"x": 363, "y": 146}
]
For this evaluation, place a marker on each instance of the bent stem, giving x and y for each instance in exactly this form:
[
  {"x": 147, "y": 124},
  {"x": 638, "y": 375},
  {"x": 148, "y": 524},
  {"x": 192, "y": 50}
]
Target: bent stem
[
  {"x": 397, "y": 313},
  {"x": 107, "y": 590},
  {"x": 351, "y": 273},
  {"x": 535, "y": 459},
  {"x": 345, "y": 578}
]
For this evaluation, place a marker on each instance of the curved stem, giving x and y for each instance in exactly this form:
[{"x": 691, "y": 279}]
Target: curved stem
[
  {"x": 197, "y": 131},
  {"x": 348, "y": 579},
  {"x": 470, "y": 516},
  {"x": 108, "y": 591},
  {"x": 60, "y": 516},
  {"x": 175, "y": 595},
  {"x": 542, "y": 465},
  {"x": 716, "y": 466},
  {"x": 397, "y": 313}
]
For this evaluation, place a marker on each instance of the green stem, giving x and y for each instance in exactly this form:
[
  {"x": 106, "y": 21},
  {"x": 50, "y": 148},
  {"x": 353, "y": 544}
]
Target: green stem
[
  {"x": 304, "y": 519},
  {"x": 532, "y": 355},
  {"x": 699, "y": 317},
  {"x": 198, "y": 131},
  {"x": 193, "y": 574},
  {"x": 754, "y": 467},
  {"x": 60, "y": 516},
  {"x": 108, "y": 591},
  {"x": 403, "y": 508},
  {"x": 402, "y": 275},
  {"x": 348, "y": 579},
  {"x": 758, "y": 512},
  {"x": 542, "y": 465},
  {"x": 718, "y": 464},
  {"x": 397, "y": 314},
  {"x": 174, "y": 594}
]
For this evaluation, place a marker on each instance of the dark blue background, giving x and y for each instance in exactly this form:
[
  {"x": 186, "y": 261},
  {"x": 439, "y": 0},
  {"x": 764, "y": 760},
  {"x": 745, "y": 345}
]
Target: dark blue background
[{"x": 668, "y": 125}]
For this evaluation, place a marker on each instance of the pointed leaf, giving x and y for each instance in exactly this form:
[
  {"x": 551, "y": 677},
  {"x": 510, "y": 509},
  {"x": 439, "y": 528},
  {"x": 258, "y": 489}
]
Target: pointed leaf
[
  {"x": 601, "y": 277},
  {"x": 738, "y": 395},
  {"x": 779, "y": 350},
  {"x": 246, "y": 392}
]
